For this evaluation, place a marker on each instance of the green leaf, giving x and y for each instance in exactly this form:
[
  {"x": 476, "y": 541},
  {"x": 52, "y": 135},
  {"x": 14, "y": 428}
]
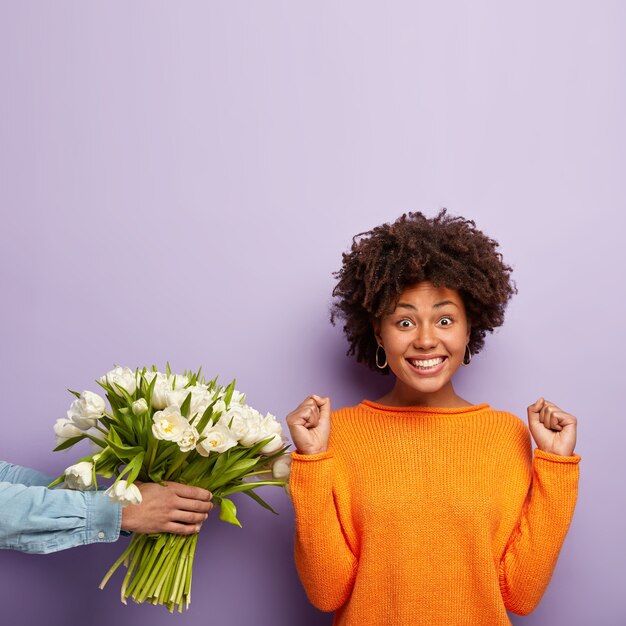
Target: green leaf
[
  {"x": 57, "y": 481},
  {"x": 74, "y": 392},
  {"x": 228, "y": 512},
  {"x": 238, "y": 470},
  {"x": 206, "y": 416},
  {"x": 69, "y": 443},
  {"x": 168, "y": 371},
  {"x": 124, "y": 394},
  {"x": 135, "y": 467},
  {"x": 257, "y": 498},
  {"x": 148, "y": 391},
  {"x": 228, "y": 394},
  {"x": 184, "y": 407},
  {"x": 123, "y": 452}
]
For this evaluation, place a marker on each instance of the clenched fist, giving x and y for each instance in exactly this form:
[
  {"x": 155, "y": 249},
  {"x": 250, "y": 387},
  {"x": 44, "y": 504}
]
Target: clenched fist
[
  {"x": 309, "y": 425},
  {"x": 552, "y": 429}
]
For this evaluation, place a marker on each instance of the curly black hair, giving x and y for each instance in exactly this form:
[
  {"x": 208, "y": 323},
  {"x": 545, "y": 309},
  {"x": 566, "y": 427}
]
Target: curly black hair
[{"x": 444, "y": 250}]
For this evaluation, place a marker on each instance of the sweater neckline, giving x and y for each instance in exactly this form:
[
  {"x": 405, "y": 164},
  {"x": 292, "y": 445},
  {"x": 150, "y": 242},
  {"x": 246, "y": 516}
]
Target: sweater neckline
[{"x": 425, "y": 410}]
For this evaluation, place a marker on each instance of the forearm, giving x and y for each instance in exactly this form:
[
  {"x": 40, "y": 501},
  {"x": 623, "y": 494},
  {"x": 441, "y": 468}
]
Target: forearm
[
  {"x": 531, "y": 555},
  {"x": 40, "y": 520},
  {"x": 326, "y": 563}
]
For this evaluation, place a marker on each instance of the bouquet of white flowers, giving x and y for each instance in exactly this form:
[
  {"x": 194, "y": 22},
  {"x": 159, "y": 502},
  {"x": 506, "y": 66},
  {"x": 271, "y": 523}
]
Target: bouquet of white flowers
[{"x": 183, "y": 428}]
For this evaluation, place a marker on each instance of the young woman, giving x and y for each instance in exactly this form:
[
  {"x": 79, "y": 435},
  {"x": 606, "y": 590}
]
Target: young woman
[{"x": 420, "y": 507}]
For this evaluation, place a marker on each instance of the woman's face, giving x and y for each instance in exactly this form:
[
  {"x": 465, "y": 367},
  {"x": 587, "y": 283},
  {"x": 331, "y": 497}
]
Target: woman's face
[{"x": 424, "y": 340}]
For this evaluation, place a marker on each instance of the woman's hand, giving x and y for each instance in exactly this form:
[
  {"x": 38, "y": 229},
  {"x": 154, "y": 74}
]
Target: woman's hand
[
  {"x": 309, "y": 425},
  {"x": 552, "y": 429}
]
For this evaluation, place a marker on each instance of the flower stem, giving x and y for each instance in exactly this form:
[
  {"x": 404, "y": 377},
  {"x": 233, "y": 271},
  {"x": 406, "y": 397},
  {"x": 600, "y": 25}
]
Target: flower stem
[{"x": 115, "y": 565}]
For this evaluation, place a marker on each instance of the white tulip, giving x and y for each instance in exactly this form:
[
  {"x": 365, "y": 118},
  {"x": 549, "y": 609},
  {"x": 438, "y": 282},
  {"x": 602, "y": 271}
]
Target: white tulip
[
  {"x": 86, "y": 410},
  {"x": 161, "y": 389},
  {"x": 65, "y": 429},
  {"x": 139, "y": 406},
  {"x": 169, "y": 424},
  {"x": 273, "y": 445},
  {"x": 180, "y": 382},
  {"x": 176, "y": 397},
  {"x": 123, "y": 493},
  {"x": 189, "y": 440},
  {"x": 271, "y": 425},
  {"x": 236, "y": 420},
  {"x": 122, "y": 376},
  {"x": 200, "y": 399},
  {"x": 219, "y": 407},
  {"x": 217, "y": 438},
  {"x": 281, "y": 468},
  {"x": 79, "y": 476}
]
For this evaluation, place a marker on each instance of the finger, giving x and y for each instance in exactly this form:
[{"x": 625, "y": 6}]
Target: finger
[
  {"x": 534, "y": 410},
  {"x": 193, "y": 506},
  {"x": 549, "y": 417},
  {"x": 182, "y": 529},
  {"x": 188, "y": 517},
  {"x": 556, "y": 415},
  {"x": 310, "y": 414},
  {"x": 190, "y": 492},
  {"x": 323, "y": 405},
  {"x": 543, "y": 413}
]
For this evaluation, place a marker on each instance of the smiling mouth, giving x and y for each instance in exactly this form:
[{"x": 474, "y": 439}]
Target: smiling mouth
[{"x": 426, "y": 364}]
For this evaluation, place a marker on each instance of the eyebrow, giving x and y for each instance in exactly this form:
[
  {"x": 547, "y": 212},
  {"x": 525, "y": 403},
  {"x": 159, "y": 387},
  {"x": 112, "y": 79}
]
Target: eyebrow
[{"x": 437, "y": 305}]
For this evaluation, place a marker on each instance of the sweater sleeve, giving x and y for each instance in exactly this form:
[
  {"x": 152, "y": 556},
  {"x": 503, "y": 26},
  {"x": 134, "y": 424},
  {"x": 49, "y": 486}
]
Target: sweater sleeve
[
  {"x": 533, "y": 549},
  {"x": 324, "y": 558}
]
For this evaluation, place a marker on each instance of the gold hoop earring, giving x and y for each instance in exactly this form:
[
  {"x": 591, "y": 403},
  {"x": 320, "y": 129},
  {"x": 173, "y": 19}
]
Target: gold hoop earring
[
  {"x": 378, "y": 365},
  {"x": 467, "y": 356}
]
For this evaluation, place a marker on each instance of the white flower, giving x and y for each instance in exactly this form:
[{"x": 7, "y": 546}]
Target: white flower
[
  {"x": 271, "y": 425},
  {"x": 65, "y": 429},
  {"x": 236, "y": 420},
  {"x": 200, "y": 399},
  {"x": 176, "y": 397},
  {"x": 219, "y": 407},
  {"x": 79, "y": 476},
  {"x": 159, "y": 393},
  {"x": 123, "y": 493},
  {"x": 179, "y": 381},
  {"x": 140, "y": 406},
  {"x": 169, "y": 424},
  {"x": 86, "y": 410},
  {"x": 273, "y": 445},
  {"x": 281, "y": 468},
  {"x": 161, "y": 388},
  {"x": 260, "y": 428},
  {"x": 189, "y": 440},
  {"x": 123, "y": 377},
  {"x": 237, "y": 398},
  {"x": 217, "y": 438}
]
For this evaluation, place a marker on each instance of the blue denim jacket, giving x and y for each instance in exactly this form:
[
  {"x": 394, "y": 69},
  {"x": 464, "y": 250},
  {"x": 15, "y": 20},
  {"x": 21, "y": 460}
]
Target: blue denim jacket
[{"x": 36, "y": 519}]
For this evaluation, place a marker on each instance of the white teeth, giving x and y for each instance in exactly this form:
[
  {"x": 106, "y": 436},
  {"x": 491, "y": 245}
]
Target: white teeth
[{"x": 425, "y": 364}]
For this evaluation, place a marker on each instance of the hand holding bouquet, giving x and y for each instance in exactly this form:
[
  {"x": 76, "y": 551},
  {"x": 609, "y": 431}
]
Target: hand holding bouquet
[{"x": 166, "y": 427}]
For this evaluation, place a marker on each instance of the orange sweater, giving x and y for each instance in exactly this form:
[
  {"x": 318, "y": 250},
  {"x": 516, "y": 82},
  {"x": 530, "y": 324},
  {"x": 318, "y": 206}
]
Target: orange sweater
[{"x": 424, "y": 516}]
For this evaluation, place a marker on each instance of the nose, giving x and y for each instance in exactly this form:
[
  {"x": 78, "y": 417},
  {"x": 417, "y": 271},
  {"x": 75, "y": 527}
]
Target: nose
[{"x": 425, "y": 337}]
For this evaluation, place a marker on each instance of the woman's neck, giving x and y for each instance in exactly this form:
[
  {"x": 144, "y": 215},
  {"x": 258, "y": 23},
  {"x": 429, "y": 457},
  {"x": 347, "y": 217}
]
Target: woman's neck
[{"x": 445, "y": 398}]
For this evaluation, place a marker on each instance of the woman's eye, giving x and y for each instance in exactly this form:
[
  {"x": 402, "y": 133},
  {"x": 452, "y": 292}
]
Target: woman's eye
[
  {"x": 405, "y": 323},
  {"x": 445, "y": 321}
]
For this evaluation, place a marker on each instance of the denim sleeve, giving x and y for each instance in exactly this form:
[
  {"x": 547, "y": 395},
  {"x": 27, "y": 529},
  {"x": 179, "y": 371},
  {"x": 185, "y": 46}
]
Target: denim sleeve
[{"x": 36, "y": 519}]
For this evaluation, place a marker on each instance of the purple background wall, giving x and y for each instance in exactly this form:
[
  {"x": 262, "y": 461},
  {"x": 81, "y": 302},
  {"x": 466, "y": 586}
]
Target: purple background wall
[{"x": 178, "y": 181}]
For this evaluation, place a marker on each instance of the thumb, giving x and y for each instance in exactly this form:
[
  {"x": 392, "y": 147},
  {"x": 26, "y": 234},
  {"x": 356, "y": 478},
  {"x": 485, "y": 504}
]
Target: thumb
[{"x": 533, "y": 409}]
